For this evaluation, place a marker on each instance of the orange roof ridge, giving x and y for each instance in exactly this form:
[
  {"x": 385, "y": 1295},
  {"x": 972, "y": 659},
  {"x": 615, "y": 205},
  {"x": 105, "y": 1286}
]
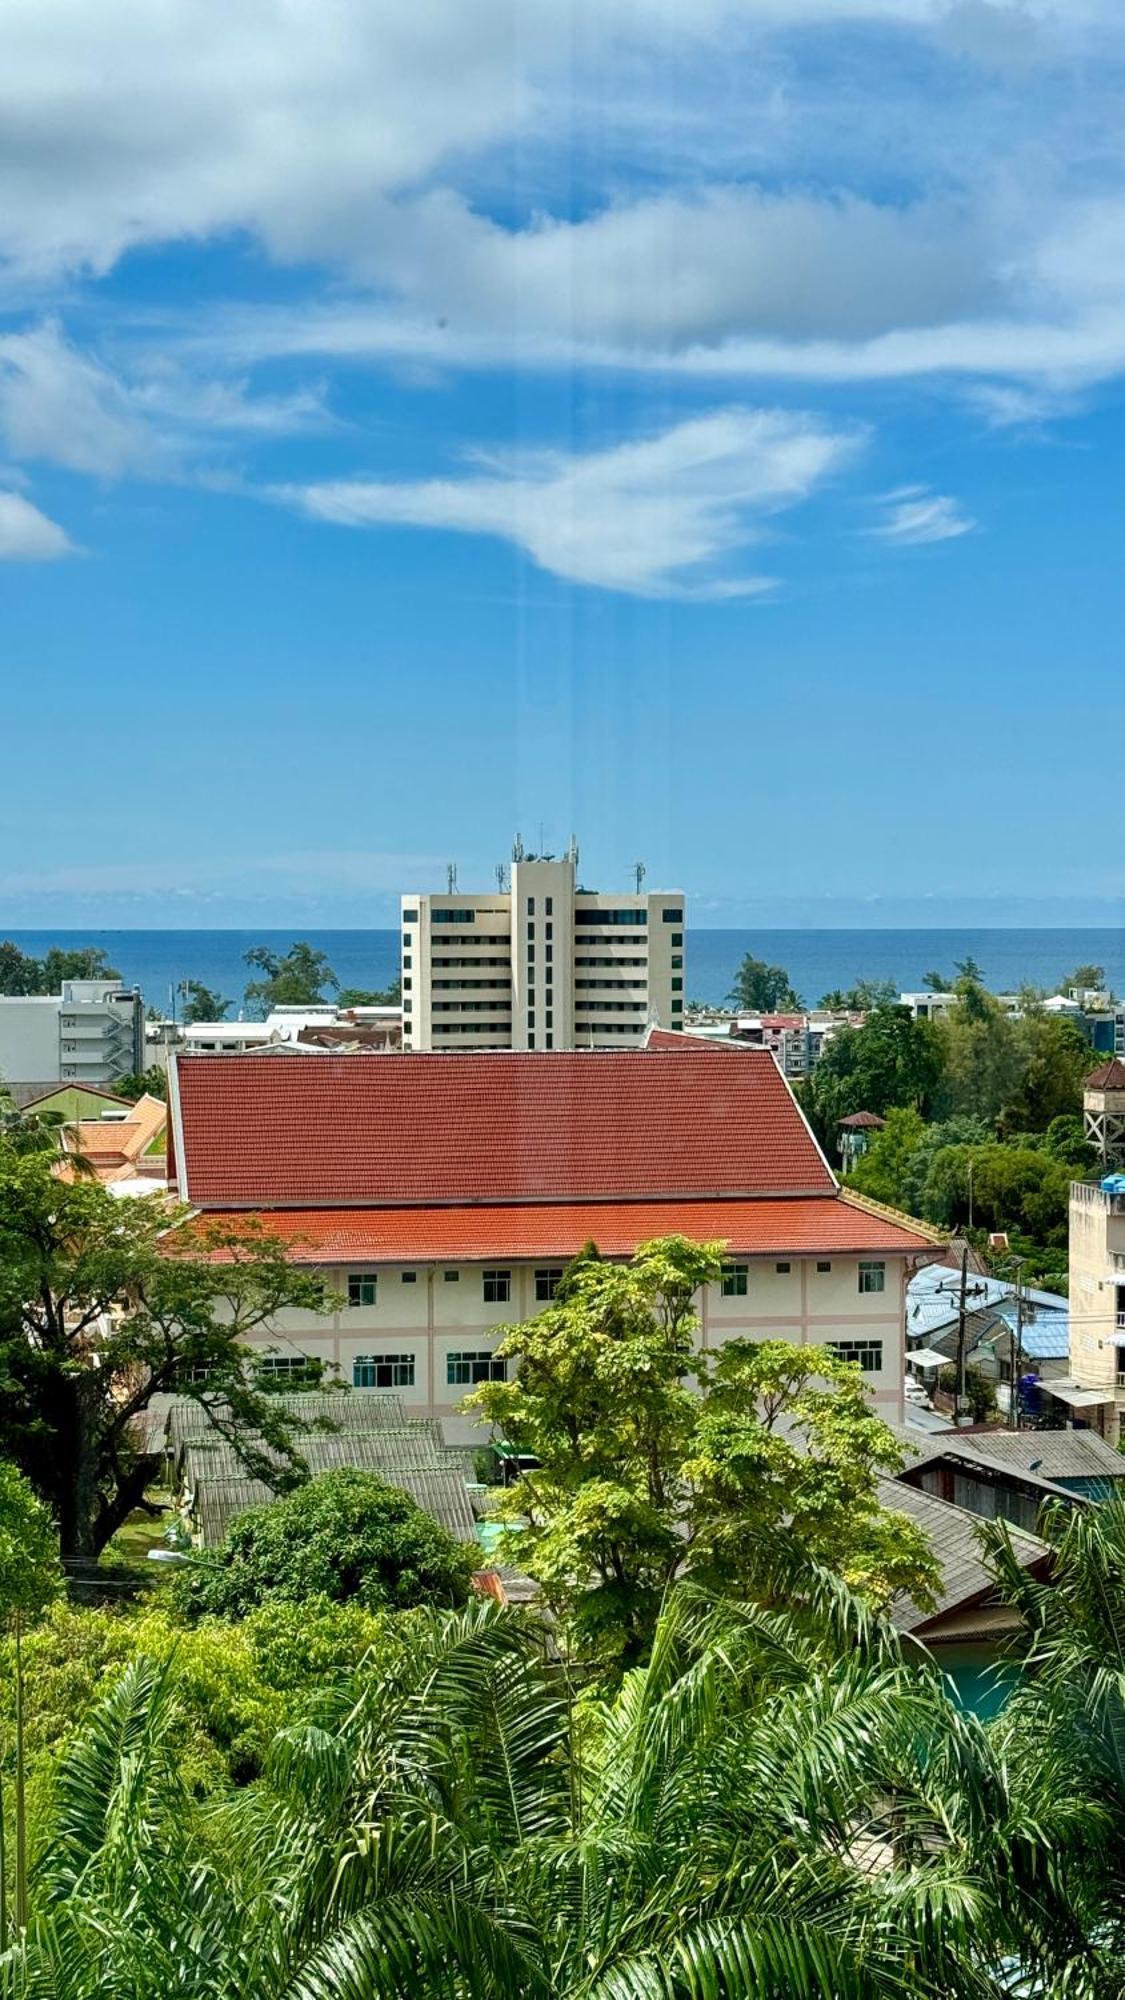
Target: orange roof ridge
[{"x": 881, "y": 1208}]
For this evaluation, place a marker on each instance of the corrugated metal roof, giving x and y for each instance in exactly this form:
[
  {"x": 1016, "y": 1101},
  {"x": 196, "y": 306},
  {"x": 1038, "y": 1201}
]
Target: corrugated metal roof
[
  {"x": 1056, "y": 1455},
  {"x": 952, "y": 1535}
]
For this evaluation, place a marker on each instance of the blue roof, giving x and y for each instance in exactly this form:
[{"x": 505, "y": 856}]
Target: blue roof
[{"x": 933, "y": 1298}]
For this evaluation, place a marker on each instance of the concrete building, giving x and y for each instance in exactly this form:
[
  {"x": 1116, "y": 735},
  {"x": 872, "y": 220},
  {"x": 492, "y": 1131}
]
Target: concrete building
[
  {"x": 1096, "y": 1393},
  {"x": 92, "y": 1032},
  {"x": 442, "y": 1197},
  {"x": 542, "y": 964}
]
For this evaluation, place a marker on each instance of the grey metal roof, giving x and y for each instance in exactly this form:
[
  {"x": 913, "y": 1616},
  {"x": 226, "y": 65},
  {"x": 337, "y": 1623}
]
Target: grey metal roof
[
  {"x": 439, "y": 1493},
  {"x": 952, "y": 1535},
  {"x": 1054, "y": 1455}
]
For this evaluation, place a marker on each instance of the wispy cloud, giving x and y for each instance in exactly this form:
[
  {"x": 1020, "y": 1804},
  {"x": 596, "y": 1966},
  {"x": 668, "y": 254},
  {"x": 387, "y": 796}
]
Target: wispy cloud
[
  {"x": 664, "y": 516},
  {"x": 912, "y": 515},
  {"x": 26, "y": 535}
]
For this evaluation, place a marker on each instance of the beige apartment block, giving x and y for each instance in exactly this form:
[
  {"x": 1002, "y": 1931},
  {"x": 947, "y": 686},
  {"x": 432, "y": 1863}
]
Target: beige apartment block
[
  {"x": 1097, "y": 1306},
  {"x": 541, "y": 964}
]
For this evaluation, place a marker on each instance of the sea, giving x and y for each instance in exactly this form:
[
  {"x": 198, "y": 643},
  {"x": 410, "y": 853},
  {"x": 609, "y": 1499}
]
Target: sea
[{"x": 817, "y": 961}]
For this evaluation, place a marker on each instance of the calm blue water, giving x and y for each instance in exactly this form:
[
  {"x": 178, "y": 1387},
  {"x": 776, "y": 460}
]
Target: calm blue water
[{"x": 816, "y": 961}]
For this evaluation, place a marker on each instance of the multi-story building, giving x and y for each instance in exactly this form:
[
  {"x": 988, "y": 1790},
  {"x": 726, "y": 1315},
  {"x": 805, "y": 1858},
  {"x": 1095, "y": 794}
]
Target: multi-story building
[
  {"x": 1095, "y": 1392},
  {"x": 542, "y": 964},
  {"x": 93, "y": 1031},
  {"x": 441, "y": 1197}
]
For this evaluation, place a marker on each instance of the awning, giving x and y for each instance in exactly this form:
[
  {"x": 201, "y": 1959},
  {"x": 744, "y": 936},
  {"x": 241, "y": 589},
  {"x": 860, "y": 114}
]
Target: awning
[
  {"x": 1078, "y": 1399},
  {"x": 928, "y": 1357}
]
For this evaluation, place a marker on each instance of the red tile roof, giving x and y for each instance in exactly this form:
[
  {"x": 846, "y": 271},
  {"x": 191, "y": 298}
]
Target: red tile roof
[
  {"x": 820, "y": 1225},
  {"x": 591, "y": 1125},
  {"x": 1111, "y": 1076}
]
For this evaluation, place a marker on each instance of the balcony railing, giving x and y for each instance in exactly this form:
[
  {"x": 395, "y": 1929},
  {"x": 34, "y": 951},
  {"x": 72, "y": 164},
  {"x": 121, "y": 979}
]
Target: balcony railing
[{"x": 1089, "y": 1195}]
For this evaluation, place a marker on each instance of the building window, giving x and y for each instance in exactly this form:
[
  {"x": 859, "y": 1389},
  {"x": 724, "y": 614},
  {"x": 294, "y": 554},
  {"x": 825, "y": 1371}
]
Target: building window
[
  {"x": 677, "y": 1006},
  {"x": 477, "y": 1365},
  {"x": 383, "y": 1371},
  {"x": 782, "y": 1268},
  {"x": 823, "y": 1264},
  {"x": 288, "y": 1371},
  {"x": 867, "y": 1353},
  {"x": 548, "y": 1040},
  {"x": 677, "y": 985},
  {"x": 362, "y": 1288},
  {"x": 549, "y": 905},
  {"x": 410, "y": 916},
  {"x": 408, "y": 1005},
  {"x": 734, "y": 1281},
  {"x": 453, "y": 916},
  {"x": 531, "y": 1039},
  {"x": 548, "y": 1019},
  {"x": 407, "y": 982},
  {"x": 497, "y": 1287},
  {"x": 872, "y": 1277},
  {"x": 531, "y": 906},
  {"x": 548, "y": 952},
  {"x": 547, "y": 1282},
  {"x": 410, "y": 1277},
  {"x": 677, "y": 961},
  {"x": 452, "y": 1277},
  {"x": 673, "y": 916},
  {"x": 549, "y": 930}
]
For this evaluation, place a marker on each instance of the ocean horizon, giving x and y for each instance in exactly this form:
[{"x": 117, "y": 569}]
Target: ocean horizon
[{"x": 817, "y": 961}]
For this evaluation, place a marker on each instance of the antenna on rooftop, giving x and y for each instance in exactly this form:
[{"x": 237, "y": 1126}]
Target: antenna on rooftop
[
  {"x": 451, "y": 878},
  {"x": 503, "y": 878},
  {"x": 517, "y": 848},
  {"x": 639, "y": 872},
  {"x": 572, "y": 851}
]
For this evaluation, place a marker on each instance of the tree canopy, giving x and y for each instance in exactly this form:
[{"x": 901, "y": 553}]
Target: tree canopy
[
  {"x": 358, "y": 996},
  {"x": 639, "y": 1478},
  {"x": 29, "y": 1547},
  {"x": 201, "y": 1003},
  {"x": 297, "y": 978},
  {"x": 345, "y": 1536},
  {"x": 100, "y": 1309},
  {"x": 763, "y": 988},
  {"x": 22, "y": 975},
  {"x": 892, "y": 1060}
]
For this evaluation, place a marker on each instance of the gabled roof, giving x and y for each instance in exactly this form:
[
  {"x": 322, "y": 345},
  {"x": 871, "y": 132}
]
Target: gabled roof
[
  {"x": 556, "y": 1231},
  {"x": 589, "y": 1125},
  {"x": 952, "y": 1533},
  {"x": 863, "y": 1121},
  {"x": 1111, "y": 1076}
]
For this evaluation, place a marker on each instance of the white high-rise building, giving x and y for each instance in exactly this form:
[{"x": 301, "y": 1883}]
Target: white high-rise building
[{"x": 541, "y": 964}]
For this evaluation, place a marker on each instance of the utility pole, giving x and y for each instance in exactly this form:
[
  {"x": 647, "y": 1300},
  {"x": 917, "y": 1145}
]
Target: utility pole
[
  {"x": 970, "y": 1194},
  {"x": 20, "y": 1801},
  {"x": 960, "y": 1398},
  {"x": 1017, "y": 1351}
]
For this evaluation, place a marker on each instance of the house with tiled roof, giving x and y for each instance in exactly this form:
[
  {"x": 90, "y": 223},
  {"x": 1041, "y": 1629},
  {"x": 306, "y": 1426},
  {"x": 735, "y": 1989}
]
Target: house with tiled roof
[{"x": 443, "y": 1194}]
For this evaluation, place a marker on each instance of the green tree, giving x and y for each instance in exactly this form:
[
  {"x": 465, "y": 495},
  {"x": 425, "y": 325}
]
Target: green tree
[
  {"x": 101, "y": 1308},
  {"x": 862, "y": 997},
  {"x": 892, "y": 1060},
  {"x": 297, "y": 979},
  {"x": 201, "y": 1003},
  {"x": 777, "y": 1804},
  {"x": 983, "y": 1058},
  {"x": 1014, "y": 1188},
  {"x": 21, "y": 975},
  {"x": 356, "y": 996},
  {"x": 936, "y": 982},
  {"x": 884, "y": 1170},
  {"x": 635, "y": 1471},
  {"x": 762, "y": 988},
  {"x": 1083, "y": 979},
  {"x": 29, "y": 1547},
  {"x": 1055, "y": 1058},
  {"x": 145, "y": 1083},
  {"x": 346, "y": 1535}
]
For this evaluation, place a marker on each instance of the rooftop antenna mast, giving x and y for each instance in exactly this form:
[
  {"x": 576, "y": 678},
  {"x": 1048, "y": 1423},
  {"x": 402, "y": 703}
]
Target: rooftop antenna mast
[
  {"x": 517, "y": 848},
  {"x": 451, "y": 878},
  {"x": 639, "y": 872},
  {"x": 503, "y": 878}
]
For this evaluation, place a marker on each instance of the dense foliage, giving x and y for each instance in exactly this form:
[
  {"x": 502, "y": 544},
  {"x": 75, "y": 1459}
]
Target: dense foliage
[
  {"x": 96, "y": 1318},
  {"x": 296, "y": 978},
  {"x": 763, "y": 988},
  {"x": 776, "y": 1803},
  {"x": 344, "y": 1537},
  {"x": 641, "y": 1477},
  {"x": 20, "y": 974}
]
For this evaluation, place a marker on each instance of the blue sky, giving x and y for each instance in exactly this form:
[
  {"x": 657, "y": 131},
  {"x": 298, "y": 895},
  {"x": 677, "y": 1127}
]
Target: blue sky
[{"x": 700, "y": 428}]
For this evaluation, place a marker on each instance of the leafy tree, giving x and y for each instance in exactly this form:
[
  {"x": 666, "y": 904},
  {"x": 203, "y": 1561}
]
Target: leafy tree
[
  {"x": 21, "y": 975},
  {"x": 1014, "y": 1189},
  {"x": 346, "y": 1535},
  {"x": 892, "y": 1060},
  {"x": 983, "y": 1058},
  {"x": 862, "y": 997},
  {"x": 144, "y": 1083},
  {"x": 201, "y": 1003},
  {"x": 1065, "y": 1139},
  {"x": 936, "y": 982},
  {"x": 100, "y": 1310},
  {"x": 777, "y": 1804},
  {"x": 387, "y": 996},
  {"x": 29, "y": 1547},
  {"x": 968, "y": 971},
  {"x": 1084, "y": 979},
  {"x": 959, "y": 1131},
  {"x": 883, "y": 1171},
  {"x": 762, "y": 988},
  {"x": 1055, "y": 1058},
  {"x": 637, "y": 1475},
  {"x": 297, "y": 979}
]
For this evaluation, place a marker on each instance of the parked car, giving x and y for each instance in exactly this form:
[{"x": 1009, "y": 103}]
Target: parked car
[{"x": 917, "y": 1393}]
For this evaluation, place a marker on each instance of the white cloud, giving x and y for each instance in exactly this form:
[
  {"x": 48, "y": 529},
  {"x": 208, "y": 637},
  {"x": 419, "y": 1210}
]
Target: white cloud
[
  {"x": 660, "y": 517},
  {"x": 26, "y": 535},
  {"x": 913, "y": 515}
]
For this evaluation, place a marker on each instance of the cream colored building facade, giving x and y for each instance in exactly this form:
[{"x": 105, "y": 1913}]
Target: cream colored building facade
[
  {"x": 429, "y": 1332},
  {"x": 1097, "y": 1305},
  {"x": 542, "y": 965}
]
